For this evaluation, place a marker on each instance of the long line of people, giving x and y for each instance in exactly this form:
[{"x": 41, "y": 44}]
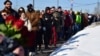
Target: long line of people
[{"x": 46, "y": 27}]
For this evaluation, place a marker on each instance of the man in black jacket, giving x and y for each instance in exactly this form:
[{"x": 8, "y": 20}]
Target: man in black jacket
[
  {"x": 8, "y": 8},
  {"x": 47, "y": 26}
]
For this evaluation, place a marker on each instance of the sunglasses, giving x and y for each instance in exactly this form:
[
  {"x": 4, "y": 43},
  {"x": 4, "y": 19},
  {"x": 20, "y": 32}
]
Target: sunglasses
[{"x": 4, "y": 14}]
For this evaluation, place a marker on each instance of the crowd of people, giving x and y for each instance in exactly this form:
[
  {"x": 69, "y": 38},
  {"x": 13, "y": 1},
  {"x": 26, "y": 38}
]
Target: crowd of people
[{"x": 37, "y": 28}]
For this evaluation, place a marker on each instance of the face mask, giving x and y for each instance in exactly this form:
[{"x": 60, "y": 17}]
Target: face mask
[{"x": 30, "y": 9}]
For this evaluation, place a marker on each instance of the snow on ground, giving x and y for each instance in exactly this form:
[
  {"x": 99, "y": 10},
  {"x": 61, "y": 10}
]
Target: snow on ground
[{"x": 83, "y": 43}]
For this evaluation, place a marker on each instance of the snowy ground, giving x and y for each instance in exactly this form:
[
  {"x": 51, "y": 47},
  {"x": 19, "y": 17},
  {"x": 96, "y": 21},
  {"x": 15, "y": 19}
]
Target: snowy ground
[{"x": 84, "y": 43}]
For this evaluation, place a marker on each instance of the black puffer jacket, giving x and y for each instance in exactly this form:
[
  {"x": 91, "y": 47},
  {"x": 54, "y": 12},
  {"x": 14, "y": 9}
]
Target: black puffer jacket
[{"x": 47, "y": 20}]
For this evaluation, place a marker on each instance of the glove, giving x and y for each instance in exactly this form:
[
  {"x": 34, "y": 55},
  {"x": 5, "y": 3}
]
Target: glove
[{"x": 44, "y": 28}]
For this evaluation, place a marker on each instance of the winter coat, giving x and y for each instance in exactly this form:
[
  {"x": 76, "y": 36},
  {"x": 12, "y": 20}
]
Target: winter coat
[
  {"x": 47, "y": 21},
  {"x": 34, "y": 19},
  {"x": 67, "y": 21},
  {"x": 85, "y": 20},
  {"x": 56, "y": 21},
  {"x": 78, "y": 19}
]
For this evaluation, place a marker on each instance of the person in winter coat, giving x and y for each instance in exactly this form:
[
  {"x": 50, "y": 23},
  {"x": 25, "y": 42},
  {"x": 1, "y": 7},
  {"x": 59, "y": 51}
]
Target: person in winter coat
[
  {"x": 78, "y": 20},
  {"x": 39, "y": 38},
  {"x": 56, "y": 26},
  {"x": 67, "y": 25},
  {"x": 25, "y": 29},
  {"x": 11, "y": 20},
  {"x": 61, "y": 19},
  {"x": 8, "y": 7},
  {"x": 4, "y": 14},
  {"x": 73, "y": 16},
  {"x": 34, "y": 17},
  {"x": 22, "y": 14},
  {"x": 47, "y": 26},
  {"x": 84, "y": 20}
]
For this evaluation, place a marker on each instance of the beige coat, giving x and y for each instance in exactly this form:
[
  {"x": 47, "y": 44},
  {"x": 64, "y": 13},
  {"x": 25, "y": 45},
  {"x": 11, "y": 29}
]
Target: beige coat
[{"x": 34, "y": 19}]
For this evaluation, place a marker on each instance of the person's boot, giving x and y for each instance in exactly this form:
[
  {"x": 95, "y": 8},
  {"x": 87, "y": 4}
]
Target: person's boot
[
  {"x": 39, "y": 47},
  {"x": 46, "y": 47}
]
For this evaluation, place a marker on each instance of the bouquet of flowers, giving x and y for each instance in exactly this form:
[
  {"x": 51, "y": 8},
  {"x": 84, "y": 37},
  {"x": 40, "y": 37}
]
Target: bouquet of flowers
[{"x": 11, "y": 28}]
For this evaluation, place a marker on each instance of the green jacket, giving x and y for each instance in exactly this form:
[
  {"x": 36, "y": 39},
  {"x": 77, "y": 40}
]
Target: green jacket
[{"x": 78, "y": 19}]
